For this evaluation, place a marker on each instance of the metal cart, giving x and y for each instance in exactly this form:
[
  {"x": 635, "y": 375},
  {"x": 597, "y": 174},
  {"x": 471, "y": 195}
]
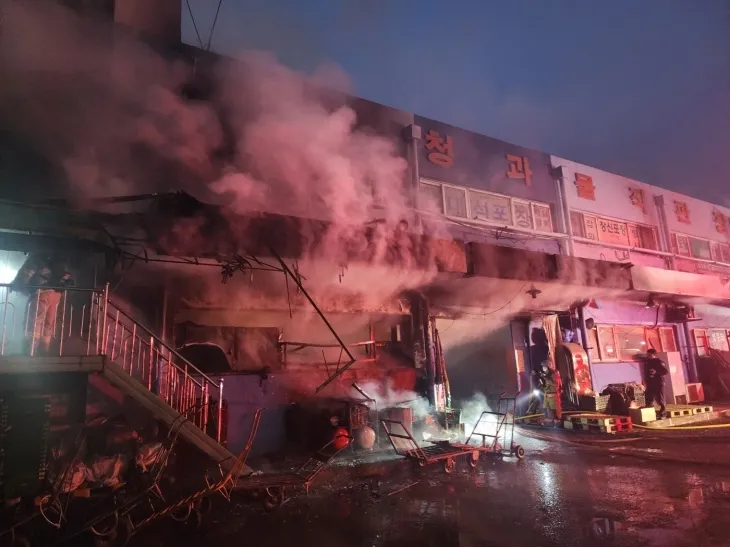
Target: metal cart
[
  {"x": 273, "y": 487},
  {"x": 439, "y": 451},
  {"x": 501, "y": 433}
]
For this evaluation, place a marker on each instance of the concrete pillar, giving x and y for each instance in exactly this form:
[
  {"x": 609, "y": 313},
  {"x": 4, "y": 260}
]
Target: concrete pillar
[
  {"x": 412, "y": 136},
  {"x": 692, "y": 375},
  {"x": 584, "y": 341},
  {"x": 664, "y": 238},
  {"x": 563, "y": 212}
]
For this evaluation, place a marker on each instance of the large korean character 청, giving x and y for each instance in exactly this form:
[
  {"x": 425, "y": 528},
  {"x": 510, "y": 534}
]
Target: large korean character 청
[{"x": 440, "y": 150}]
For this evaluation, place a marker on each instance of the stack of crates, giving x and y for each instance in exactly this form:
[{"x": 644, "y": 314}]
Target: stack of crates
[
  {"x": 24, "y": 436},
  {"x": 449, "y": 418},
  {"x": 636, "y": 392},
  {"x": 594, "y": 403},
  {"x": 3, "y": 443},
  {"x": 359, "y": 416}
]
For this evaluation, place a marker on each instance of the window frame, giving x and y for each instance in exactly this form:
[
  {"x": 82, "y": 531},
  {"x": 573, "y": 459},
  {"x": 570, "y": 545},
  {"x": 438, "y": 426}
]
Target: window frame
[
  {"x": 601, "y": 345},
  {"x": 719, "y": 250},
  {"x": 698, "y": 334},
  {"x": 472, "y": 218},
  {"x": 674, "y": 339},
  {"x": 530, "y": 204},
  {"x": 576, "y": 221},
  {"x": 725, "y": 253},
  {"x": 687, "y": 246},
  {"x": 662, "y": 330},
  {"x": 637, "y": 329},
  {"x": 440, "y": 189},
  {"x": 701, "y": 240},
  {"x": 444, "y": 187},
  {"x": 533, "y": 206},
  {"x": 593, "y": 338},
  {"x": 711, "y": 331}
]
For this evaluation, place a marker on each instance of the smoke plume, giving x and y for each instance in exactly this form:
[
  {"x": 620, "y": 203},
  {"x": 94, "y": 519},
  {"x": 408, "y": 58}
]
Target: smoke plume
[
  {"x": 386, "y": 396},
  {"x": 117, "y": 117}
]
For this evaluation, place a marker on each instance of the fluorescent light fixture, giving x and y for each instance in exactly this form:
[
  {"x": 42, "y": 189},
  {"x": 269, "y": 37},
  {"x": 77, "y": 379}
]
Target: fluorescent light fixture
[{"x": 7, "y": 273}]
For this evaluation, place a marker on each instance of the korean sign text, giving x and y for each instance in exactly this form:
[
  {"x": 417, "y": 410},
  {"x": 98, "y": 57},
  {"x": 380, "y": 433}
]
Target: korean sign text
[
  {"x": 681, "y": 209},
  {"x": 464, "y": 159},
  {"x": 585, "y": 187},
  {"x": 440, "y": 149},
  {"x": 720, "y": 222},
  {"x": 636, "y": 195},
  {"x": 519, "y": 168},
  {"x": 611, "y": 231}
]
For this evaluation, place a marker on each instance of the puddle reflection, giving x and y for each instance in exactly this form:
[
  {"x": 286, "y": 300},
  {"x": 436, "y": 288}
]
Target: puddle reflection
[{"x": 602, "y": 528}]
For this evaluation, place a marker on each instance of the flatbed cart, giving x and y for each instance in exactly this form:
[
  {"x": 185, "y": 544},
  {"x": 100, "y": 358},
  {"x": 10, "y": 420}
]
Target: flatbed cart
[
  {"x": 439, "y": 451},
  {"x": 273, "y": 487},
  {"x": 503, "y": 423}
]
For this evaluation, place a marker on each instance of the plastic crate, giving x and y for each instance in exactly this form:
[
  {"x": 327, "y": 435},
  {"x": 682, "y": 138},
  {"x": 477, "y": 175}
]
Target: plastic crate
[
  {"x": 449, "y": 418},
  {"x": 594, "y": 403}
]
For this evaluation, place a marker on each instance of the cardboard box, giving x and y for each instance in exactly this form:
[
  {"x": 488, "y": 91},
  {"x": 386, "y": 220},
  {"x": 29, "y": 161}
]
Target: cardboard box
[
  {"x": 695, "y": 393},
  {"x": 642, "y": 415}
]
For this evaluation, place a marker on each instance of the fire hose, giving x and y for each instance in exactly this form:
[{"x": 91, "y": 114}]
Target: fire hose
[
  {"x": 217, "y": 487},
  {"x": 673, "y": 428},
  {"x": 647, "y": 428}
]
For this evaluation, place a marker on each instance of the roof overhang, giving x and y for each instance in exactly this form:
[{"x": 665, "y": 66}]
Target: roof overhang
[{"x": 687, "y": 287}]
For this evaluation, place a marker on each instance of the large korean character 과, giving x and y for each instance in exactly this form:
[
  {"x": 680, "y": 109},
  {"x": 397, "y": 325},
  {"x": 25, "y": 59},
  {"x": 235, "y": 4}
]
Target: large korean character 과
[{"x": 518, "y": 167}]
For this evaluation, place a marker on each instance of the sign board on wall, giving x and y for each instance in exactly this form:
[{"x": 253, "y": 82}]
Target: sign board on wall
[
  {"x": 452, "y": 155},
  {"x": 611, "y": 231}
]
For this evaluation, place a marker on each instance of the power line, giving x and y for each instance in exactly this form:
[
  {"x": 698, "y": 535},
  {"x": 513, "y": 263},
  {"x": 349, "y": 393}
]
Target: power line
[
  {"x": 503, "y": 306},
  {"x": 192, "y": 18},
  {"x": 215, "y": 20}
]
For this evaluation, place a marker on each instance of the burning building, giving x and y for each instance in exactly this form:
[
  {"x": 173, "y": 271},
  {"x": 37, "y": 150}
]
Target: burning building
[{"x": 270, "y": 242}]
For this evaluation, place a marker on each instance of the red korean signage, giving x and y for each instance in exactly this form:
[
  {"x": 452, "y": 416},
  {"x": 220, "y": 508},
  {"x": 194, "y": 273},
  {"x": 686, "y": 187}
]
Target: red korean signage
[{"x": 611, "y": 231}]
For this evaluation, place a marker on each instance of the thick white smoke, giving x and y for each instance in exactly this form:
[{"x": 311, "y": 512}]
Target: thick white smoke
[
  {"x": 386, "y": 396},
  {"x": 108, "y": 110},
  {"x": 298, "y": 155}
]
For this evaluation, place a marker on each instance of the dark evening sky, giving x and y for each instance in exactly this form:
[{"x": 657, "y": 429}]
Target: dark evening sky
[{"x": 640, "y": 88}]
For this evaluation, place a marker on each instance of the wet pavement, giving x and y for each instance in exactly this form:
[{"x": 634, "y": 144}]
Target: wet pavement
[{"x": 559, "y": 495}]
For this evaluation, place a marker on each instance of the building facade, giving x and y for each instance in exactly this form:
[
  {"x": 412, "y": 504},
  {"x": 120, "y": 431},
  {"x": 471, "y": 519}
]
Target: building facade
[
  {"x": 488, "y": 189},
  {"x": 661, "y": 236},
  {"x": 523, "y": 237}
]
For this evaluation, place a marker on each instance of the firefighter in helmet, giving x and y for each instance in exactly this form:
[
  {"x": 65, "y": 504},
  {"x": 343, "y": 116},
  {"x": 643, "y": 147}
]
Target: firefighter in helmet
[
  {"x": 43, "y": 279},
  {"x": 552, "y": 387}
]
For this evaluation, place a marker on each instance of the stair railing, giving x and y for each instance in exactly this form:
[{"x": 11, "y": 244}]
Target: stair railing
[
  {"x": 87, "y": 322},
  {"x": 165, "y": 372}
]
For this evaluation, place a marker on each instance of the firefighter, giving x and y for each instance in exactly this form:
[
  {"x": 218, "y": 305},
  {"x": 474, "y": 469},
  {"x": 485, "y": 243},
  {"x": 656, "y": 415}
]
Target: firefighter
[
  {"x": 654, "y": 372},
  {"x": 40, "y": 279},
  {"x": 552, "y": 389}
]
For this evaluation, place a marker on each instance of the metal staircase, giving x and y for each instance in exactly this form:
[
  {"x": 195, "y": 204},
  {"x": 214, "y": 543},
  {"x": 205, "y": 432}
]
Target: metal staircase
[{"x": 87, "y": 332}]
